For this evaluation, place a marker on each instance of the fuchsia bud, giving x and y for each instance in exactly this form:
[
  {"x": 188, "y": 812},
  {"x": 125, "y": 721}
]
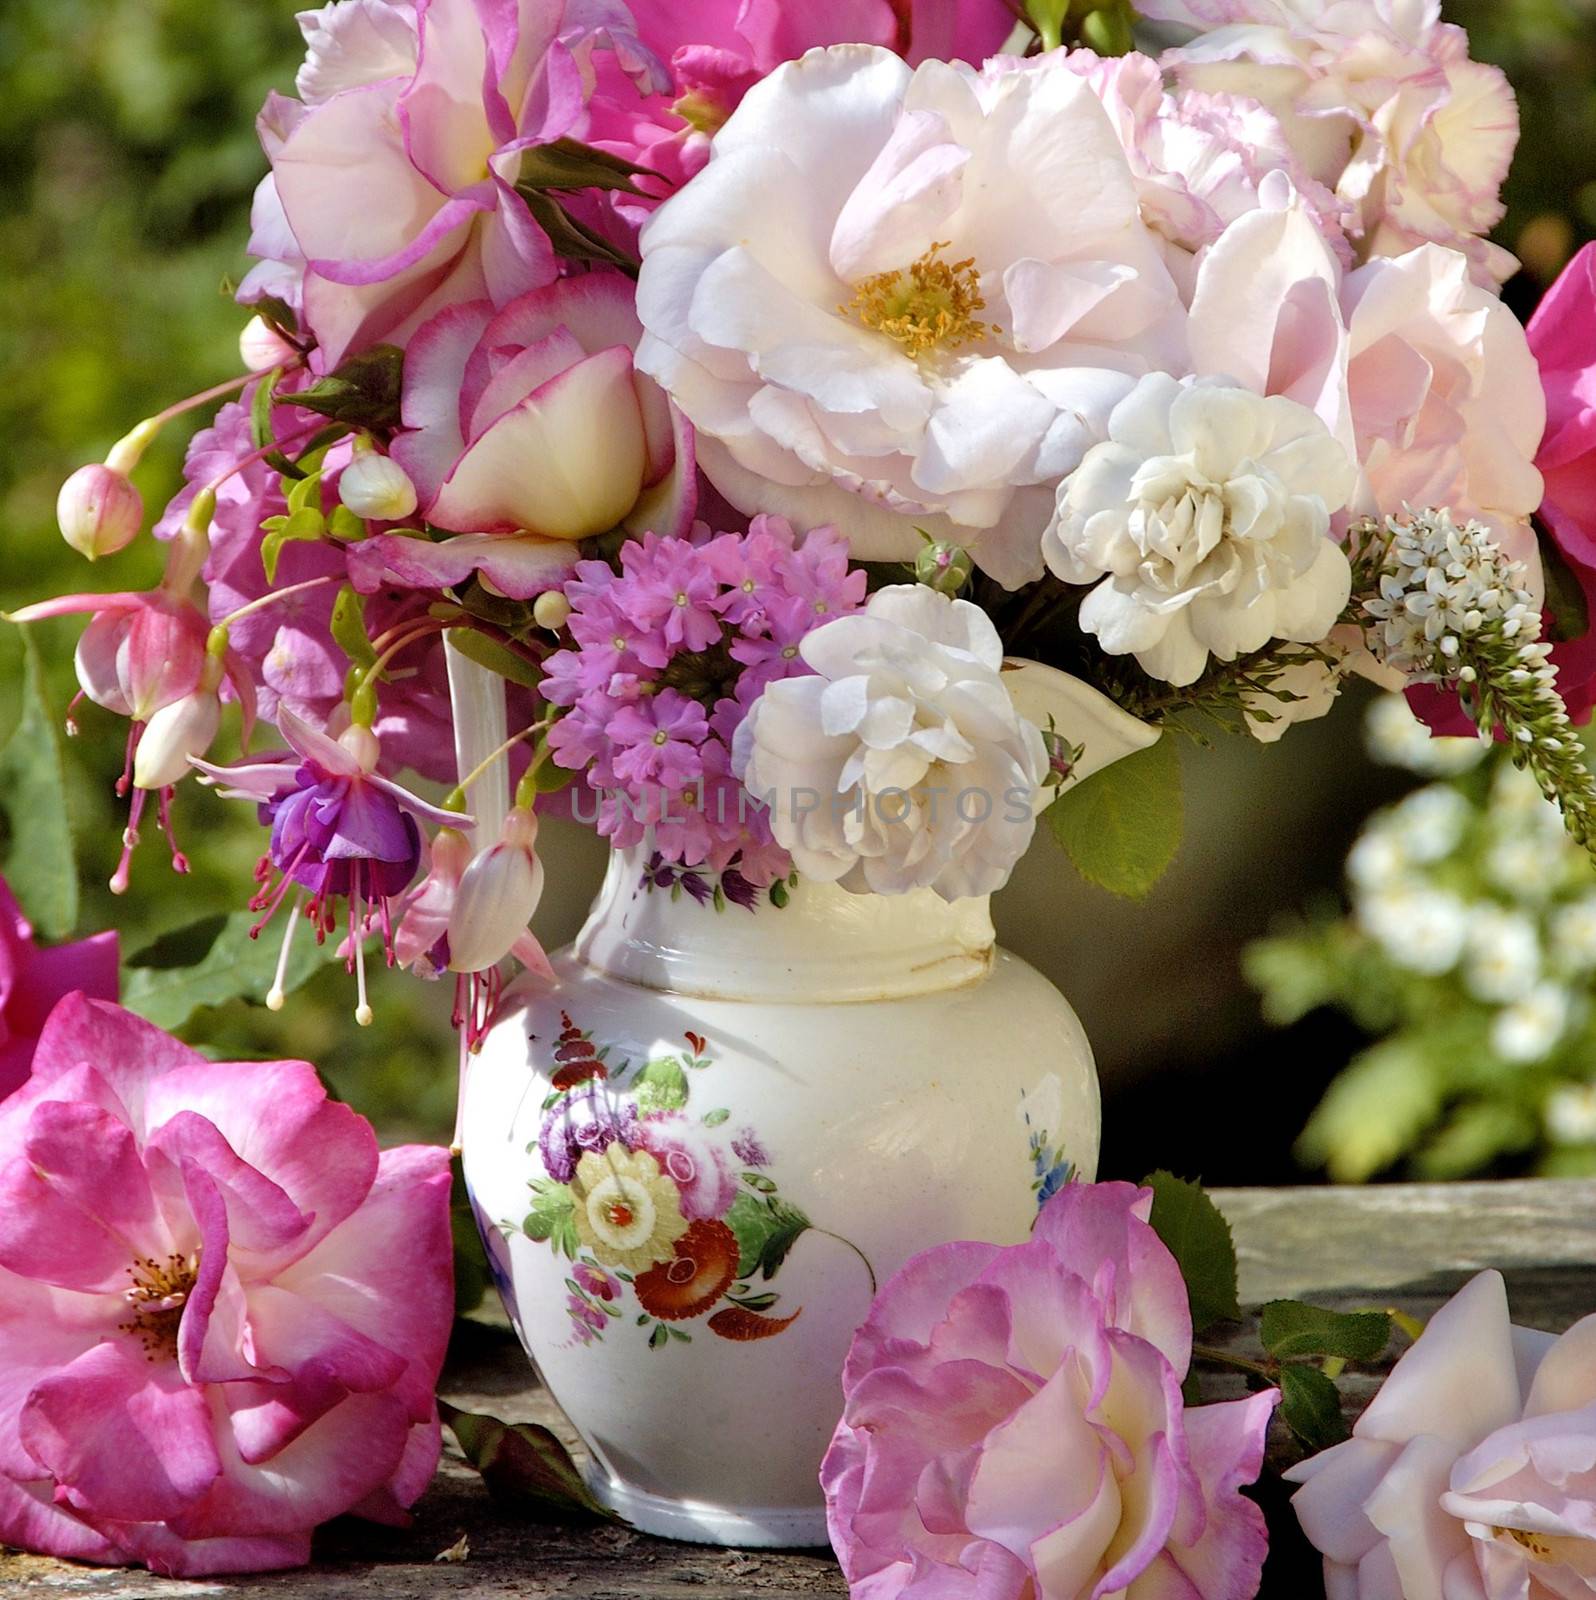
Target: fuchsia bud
[
  {"x": 376, "y": 486},
  {"x": 99, "y": 510},
  {"x": 262, "y": 347},
  {"x": 498, "y": 893},
  {"x": 177, "y": 731}
]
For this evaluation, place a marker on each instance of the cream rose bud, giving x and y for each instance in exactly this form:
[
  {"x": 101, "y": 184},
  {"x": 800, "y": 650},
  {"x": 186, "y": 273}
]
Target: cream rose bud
[
  {"x": 99, "y": 511},
  {"x": 376, "y": 486},
  {"x": 904, "y": 762},
  {"x": 1206, "y": 513}
]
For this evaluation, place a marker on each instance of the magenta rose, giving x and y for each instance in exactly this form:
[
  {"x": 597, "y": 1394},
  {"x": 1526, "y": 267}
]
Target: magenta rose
[
  {"x": 1014, "y": 1428},
  {"x": 1562, "y": 333},
  {"x": 222, "y": 1311},
  {"x": 32, "y": 980}
]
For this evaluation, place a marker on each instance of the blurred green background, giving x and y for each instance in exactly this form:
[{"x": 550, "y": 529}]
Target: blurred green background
[{"x": 127, "y": 161}]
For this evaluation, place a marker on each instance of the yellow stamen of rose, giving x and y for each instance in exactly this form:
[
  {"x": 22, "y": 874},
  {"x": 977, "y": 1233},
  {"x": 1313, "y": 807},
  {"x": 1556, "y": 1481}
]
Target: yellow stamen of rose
[
  {"x": 1535, "y": 1543},
  {"x": 159, "y": 1293},
  {"x": 930, "y": 305}
]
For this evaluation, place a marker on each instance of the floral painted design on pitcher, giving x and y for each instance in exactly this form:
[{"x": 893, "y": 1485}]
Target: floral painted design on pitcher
[{"x": 654, "y": 1203}]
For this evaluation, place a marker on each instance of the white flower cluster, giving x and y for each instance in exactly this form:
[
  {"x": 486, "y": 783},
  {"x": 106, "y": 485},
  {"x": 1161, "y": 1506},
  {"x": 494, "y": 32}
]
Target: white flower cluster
[
  {"x": 1493, "y": 894},
  {"x": 1442, "y": 583},
  {"x": 1393, "y": 735}
]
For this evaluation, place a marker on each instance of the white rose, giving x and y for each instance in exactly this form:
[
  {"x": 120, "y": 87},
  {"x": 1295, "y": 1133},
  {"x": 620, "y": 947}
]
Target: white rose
[
  {"x": 903, "y": 298},
  {"x": 1206, "y": 513},
  {"x": 904, "y": 763}
]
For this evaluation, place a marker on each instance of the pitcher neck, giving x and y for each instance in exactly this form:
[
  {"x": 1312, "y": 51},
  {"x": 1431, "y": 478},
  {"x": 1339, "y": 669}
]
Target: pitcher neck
[{"x": 822, "y": 945}]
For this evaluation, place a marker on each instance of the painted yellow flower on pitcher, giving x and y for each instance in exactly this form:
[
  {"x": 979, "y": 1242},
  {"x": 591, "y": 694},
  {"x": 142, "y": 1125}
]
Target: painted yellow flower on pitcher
[{"x": 628, "y": 1213}]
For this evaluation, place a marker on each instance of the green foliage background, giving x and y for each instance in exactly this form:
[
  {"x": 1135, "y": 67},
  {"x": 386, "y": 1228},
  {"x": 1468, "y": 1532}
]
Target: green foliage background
[{"x": 127, "y": 160}]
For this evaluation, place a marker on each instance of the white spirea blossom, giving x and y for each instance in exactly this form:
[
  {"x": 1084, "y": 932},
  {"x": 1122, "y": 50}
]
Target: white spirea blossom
[
  {"x": 1571, "y": 1114},
  {"x": 1206, "y": 513},
  {"x": 1530, "y": 1028},
  {"x": 1572, "y": 935},
  {"x": 904, "y": 763},
  {"x": 1504, "y": 955},
  {"x": 1429, "y": 823},
  {"x": 1396, "y": 737},
  {"x": 1422, "y": 929}
]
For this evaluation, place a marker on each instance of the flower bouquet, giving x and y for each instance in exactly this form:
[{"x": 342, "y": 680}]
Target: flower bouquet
[{"x": 809, "y": 445}]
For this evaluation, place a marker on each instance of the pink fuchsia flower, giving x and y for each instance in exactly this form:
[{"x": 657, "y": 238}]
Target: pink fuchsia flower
[
  {"x": 222, "y": 1311},
  {"x": 392, "y": 193},
  {"x": 1013, "y": 1425},
  {"x": 532, "y": 421},
  {"x": 338, "y": 829},
  {"x": 145, "y": 656},
  {"x": 1472, "y": 1470},
  {"x": 33, "y": 980},
  {"x": 287, "y": 648},
  {"x": 692, "y": 1157}
]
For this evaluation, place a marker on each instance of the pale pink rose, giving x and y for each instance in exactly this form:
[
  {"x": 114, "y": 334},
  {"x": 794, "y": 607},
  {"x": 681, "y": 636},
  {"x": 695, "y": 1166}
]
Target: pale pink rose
[
  {"x": 1473, "y": 1473},
  {"x": 1380, "y": 102},
  {"x": 222, "y": 1311},
  {"x": 533, "y": 421},
  {"x": 1446, "y": 397},
  {"x": 392, "y": 192},
  {"x": 1014, "y": 1428},
  {"x": 32, "y": 980}
]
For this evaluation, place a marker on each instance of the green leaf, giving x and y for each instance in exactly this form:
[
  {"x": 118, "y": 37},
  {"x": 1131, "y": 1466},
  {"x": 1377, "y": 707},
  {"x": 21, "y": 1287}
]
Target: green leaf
[
  {"x": 489, "y": 653},
  {"x": 1197, "y": 1235},
  {"x": 1375, "y": 1110},
  {"x": 553, "y": 1216},
  {"x": 766, "y": 1231},
  {"x": 41, "y": 863},
  {"x": 1310, "y": 1405},
  {"x": 349, "y": 628},
  {"x": 659, "y": 1337},
  {"x": 523, "y": 1464},
  {"x": 661, "y": 1086},
  {"x": 779, "y": 895},
  {"x": 277, "y": 312},
  {"x": 363, "y": 391},
  {"x": 233, "y": 967},
  {"x": 569, "y": 164},
  {"x": 573, "y": 239},
  {"x": 1290, "y": 1328},
  {"x": 260, "y": 409},
  {"x": 1565, "y": 594},
  {"x": 1122, "y": 826},
  {"x": 297, "y": 527},
  {"x": 713, "y": 1119}
]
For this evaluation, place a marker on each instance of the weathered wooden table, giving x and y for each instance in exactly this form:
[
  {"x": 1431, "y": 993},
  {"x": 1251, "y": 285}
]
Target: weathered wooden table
[{"x": 1408, "y": 1246}]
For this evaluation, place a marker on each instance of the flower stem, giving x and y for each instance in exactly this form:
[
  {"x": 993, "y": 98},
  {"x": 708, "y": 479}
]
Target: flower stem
[
  {"x": 1223, "y": 1358},
  {"x": 278, "y": 594}
]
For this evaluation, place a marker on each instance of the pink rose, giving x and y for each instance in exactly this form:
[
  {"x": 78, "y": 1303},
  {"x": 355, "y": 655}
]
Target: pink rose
[
  {"x": 32, "y": 980},
  {"x": 532, "y": 422},
  {"x": 690, "y": 1155},
  {"x": 393, "y": 184},
  {"x": 1014, "y": 1428},
  {"x": 1473, "y": 1473},
  {"x": 222, "y": 1312}
]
